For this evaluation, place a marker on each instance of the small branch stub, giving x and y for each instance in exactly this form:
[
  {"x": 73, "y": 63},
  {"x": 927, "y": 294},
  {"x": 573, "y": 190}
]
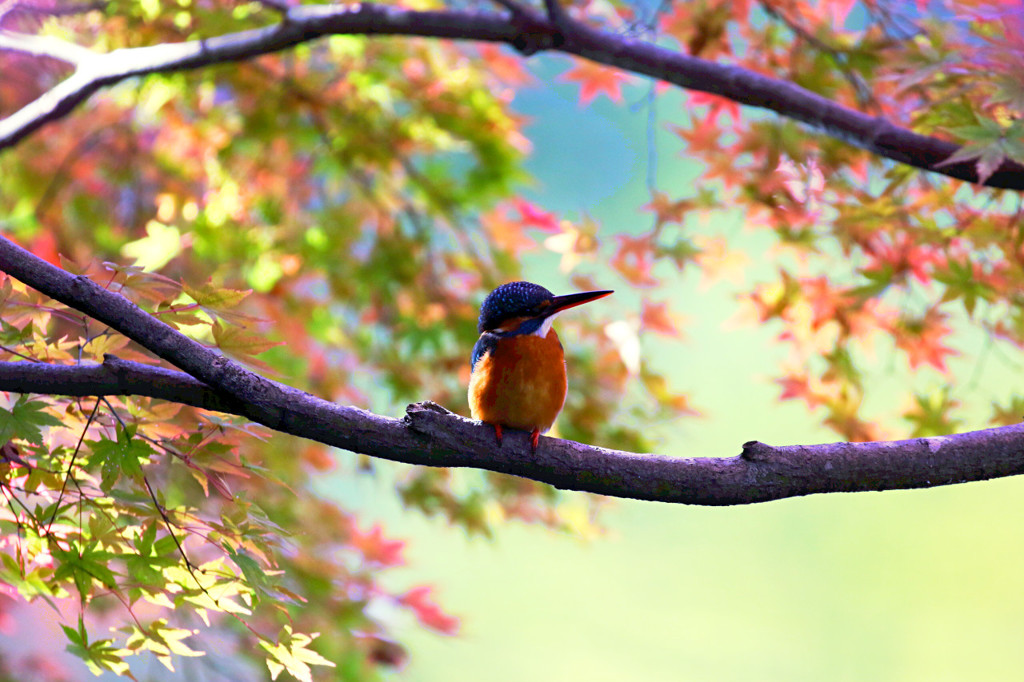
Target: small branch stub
[{"x": 756, "y": 451}]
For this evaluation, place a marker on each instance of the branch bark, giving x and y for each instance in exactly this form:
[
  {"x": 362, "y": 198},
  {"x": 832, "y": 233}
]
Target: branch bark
[
  {"x": 430, "y": 435},
  {"x": 525, "y": 29}
]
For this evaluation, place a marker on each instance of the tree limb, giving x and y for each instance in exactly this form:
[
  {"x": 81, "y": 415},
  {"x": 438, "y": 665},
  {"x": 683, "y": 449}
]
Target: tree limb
[
  {"x": 529, "y": 31},
  {"x": 430, "y": 435},
  {"x": 44, "y": 46}
]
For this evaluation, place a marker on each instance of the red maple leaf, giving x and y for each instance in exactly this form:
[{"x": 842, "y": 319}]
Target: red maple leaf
[
  {"x": 427, "y": 611},
  {"x": 716, "y": 105},
  {"x": 903, "y": 254},
  {"x": 798, "y": 387},
  {"x": 531, "y": 214},
  {"x": 375, "y": 547}
]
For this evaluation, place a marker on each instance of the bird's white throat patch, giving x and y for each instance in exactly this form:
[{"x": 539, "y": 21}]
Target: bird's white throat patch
[{"x": 545, "y": 327}]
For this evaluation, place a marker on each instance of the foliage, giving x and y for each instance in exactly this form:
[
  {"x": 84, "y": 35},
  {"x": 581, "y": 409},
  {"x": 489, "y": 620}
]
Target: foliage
[{"x": 332, "y": 214}]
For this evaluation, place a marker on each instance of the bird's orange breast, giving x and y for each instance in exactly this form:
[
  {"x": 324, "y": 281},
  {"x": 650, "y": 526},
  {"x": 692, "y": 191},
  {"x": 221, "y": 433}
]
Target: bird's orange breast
[{"x": 520, "y": 383}]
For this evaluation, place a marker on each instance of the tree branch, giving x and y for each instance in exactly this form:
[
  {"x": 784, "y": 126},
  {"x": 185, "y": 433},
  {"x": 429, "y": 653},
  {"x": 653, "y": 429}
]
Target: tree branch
[
  {"x": 430, "y": 435},
  {"x": 44, "y": 46},
  {"x": 529, "y": 31}
]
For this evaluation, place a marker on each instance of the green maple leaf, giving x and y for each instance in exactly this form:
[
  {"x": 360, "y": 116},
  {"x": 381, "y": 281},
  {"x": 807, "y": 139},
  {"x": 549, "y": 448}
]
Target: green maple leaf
[
  {"x": 219, "y": 301},
  {"x": 126, "y": 456},
  {"x": 25, "y": 420}
]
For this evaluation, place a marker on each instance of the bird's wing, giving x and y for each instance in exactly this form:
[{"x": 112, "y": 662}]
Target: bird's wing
[{"x": 484, "y": 345}]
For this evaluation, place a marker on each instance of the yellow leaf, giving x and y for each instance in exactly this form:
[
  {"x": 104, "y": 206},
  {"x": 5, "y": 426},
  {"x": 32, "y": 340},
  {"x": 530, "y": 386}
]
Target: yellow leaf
[
  {"x": 160, "y": 245},
  {"x": 210, "y": 296},
  {"x": 239, "y": 343},
  {"x": 106, "y": 343}
]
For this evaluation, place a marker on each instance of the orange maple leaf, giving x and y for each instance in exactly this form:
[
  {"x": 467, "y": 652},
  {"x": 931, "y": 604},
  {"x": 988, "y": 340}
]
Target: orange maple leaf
[
  {"x": 635, "y": 259},
  {"x": 666, "y": 210},
  {"x": 505, "y": 232},
  {"x": 504, "y": 66},
  {"x": 657, "y": 318},
  {"x": 922, "y": 339},
  {"x": 702, "y": 136},
  {"x": 717, "y": 261},
  {"x": 595, "y": 79}
]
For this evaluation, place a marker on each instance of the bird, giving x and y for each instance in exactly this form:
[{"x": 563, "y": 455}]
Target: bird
[{"x": 518, "y": 378}]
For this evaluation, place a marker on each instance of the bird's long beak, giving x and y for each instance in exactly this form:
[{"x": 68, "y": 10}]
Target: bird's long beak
[{"x": 560, "y": 303}]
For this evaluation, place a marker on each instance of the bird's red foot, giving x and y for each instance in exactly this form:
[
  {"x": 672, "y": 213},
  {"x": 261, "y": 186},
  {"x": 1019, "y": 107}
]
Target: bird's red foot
[
  {"x": 534, "y": 437},
  {"x": 497, "y": 433}
]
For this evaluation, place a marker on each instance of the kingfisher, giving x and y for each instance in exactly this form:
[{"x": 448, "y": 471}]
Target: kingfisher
[{"x": 518, "y": 378}]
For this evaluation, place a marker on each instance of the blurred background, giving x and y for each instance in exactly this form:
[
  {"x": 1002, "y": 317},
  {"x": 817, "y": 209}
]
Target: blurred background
[{"x": 904, "y": 585}]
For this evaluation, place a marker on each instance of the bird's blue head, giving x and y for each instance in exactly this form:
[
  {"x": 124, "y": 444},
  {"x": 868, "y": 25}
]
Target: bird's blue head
[
  {"x": 515, "y": 299},
  {"x": 534, "y": 305}
]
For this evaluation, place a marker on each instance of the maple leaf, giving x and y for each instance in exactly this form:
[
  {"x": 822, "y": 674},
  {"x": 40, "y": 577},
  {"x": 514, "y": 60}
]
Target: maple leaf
[
  {"x": 717, "y": 261},
  {"x": 1013, "y": 413},
  {"x": 930, "y": 414},
  {"x": 292, "y": 653},
  {"x": 504, "y": 66},
  {"x": 772, "y": 300},
  {"x": 100, "y": 345},
  {"x": 634, "y": 259},
  {"x": 595, "y": 79},
  {"x": 921, "y": 339},
  {"x": 798, "y": 387},
  {"x": 702, "y": 137},
  {"x": 989, "y": 143},
  {"x": 243, "y": 345},
  {"x": 427, "y": 611},
  {"x": 25, "y": 420},
  {"x": 825, "y": 301},
  {"x": 897, "y": 253},
  {"x": 159, "y": 247},
  {"x": 505, "y": 233},
  {"x": 375, "y": 547},
  {"x": 219, "y": 301},
  {"x": 575, "y": 242},
  {"x": 666, "y": 210},
  {"x": 987, "y": 157},
  {"x": 530, "y": 214},
  {"x": 716, "y": 105},
  {"x": 805, "y": 185},
  {"x": 657, "y": 318}
]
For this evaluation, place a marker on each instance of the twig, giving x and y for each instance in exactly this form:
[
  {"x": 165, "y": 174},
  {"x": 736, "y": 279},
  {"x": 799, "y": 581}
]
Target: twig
[
  {"x": 557, "y": 31},
  {"x": 71, "y": 466}
]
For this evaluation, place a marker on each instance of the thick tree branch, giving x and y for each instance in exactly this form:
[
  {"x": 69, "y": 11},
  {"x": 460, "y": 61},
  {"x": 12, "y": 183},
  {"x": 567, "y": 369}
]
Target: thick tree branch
[
  {"x": 114, "y": 377},
  {"x": 432, "y": 436},
  {"x": 529, "y": 31}
]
